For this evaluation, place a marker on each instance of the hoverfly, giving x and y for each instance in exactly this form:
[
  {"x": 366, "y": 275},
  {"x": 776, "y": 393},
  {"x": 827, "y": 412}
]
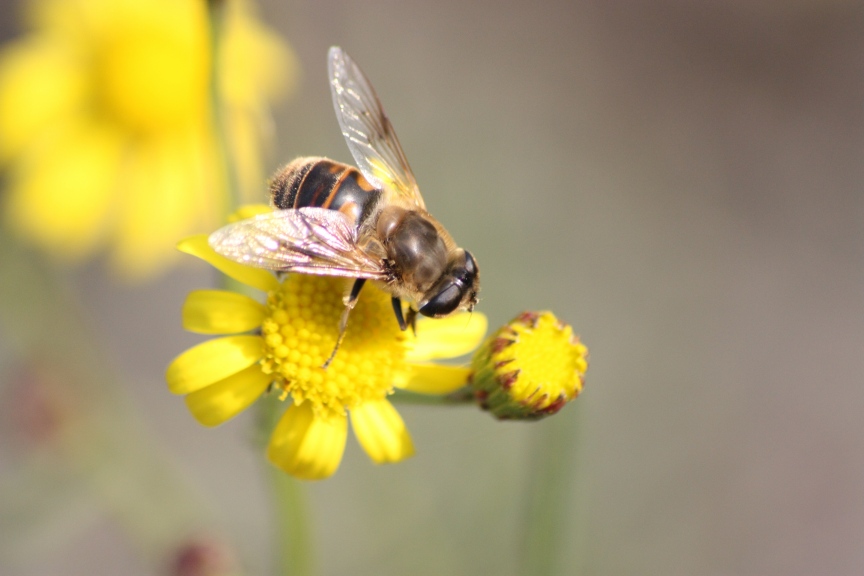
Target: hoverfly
[{"x": 368, "y": 224}]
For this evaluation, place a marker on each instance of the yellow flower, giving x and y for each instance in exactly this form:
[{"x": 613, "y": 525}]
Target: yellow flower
[
  {"x": 281, "y": 346},
  {"x": 106, "y": 123},
  {"x": 529, "y": 368}
]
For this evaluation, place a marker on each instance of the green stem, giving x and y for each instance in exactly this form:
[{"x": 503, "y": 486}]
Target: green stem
[
  {"x": 294, "y": 536},
  {"x": 293, "y": 540},
  {"x": 294, "y": 555},
  {"x": 463, "y": 396},
  {"x": 100, "y": 449},
  {"x": 216, "y": 11},
  {"x": 554, "y": 449}
]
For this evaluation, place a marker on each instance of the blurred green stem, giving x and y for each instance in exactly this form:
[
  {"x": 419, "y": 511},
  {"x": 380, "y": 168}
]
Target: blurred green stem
[
  {"x": 100, "y": 452},
  {"x": 294, "y": 545},
  {"x": 294, "y": 539},
  {"x": 216, "y": 10},
  {"x": 554, "y": 449},
  {"x": 463, "y": 396}
]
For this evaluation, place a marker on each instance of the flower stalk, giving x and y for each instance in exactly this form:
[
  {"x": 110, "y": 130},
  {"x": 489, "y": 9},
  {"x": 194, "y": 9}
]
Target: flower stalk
[
  {"x": 93, "y": 448},
  {"x": 293, "y": 544},
  {"x": 547, "y": 508},
  {"x": 216, "y": 19}
]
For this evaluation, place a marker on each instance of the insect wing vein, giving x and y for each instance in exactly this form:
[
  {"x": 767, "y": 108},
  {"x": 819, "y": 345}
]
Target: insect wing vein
[
  {"x": 368, "y": 132},
  {"x": 308, "y": 240}
]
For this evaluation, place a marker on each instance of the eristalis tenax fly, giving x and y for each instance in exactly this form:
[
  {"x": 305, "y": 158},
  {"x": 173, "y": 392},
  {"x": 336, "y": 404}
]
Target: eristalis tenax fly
[{"x": 368, "y": 224}]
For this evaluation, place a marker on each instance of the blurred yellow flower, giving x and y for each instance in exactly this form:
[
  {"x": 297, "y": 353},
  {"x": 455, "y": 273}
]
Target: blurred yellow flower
[
  {"x": 282, "y": 345},
  {"x": 106, "y": 123}
]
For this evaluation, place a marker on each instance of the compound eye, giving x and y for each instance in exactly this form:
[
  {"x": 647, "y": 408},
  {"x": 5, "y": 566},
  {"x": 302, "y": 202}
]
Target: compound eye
[
  {"x": 443, "y": 303},
  {"x": 470, "y": 264}
]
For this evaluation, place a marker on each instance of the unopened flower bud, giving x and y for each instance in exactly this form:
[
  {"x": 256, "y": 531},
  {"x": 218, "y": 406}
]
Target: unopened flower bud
[{"x": 529, "y": 368}]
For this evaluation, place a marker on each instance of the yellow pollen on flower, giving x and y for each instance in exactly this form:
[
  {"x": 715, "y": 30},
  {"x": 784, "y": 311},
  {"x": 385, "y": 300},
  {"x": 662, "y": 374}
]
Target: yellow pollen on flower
[
  {"x": 301, "y": 330},
  {"x": 530, "y": 368}
]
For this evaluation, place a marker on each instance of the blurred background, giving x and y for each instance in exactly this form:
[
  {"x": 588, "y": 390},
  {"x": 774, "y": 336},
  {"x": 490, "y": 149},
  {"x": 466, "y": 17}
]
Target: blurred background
[{"x": 680, "y": 181}]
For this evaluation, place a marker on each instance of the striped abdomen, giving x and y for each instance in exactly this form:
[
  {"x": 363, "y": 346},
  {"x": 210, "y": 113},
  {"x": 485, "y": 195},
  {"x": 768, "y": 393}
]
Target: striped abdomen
[{"x": 323, "y": 183}]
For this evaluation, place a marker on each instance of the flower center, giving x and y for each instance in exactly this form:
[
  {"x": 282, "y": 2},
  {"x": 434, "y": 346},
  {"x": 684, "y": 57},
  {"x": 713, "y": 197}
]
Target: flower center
[
  {"x": 300, "y": 334},
  {"x": 152, "y": 75},
  {"x": 549, "y": 358}
]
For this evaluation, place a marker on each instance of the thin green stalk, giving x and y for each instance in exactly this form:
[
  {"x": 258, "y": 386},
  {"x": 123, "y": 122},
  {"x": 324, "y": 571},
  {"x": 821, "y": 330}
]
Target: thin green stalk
[
  {"x": 462, "y": 396},
  {"x": 100, "y": 450},
  {"x": 294, "y": 536},
  {"x": 550, "y": 492},
  {"x": 216, "y": 11},
  {"x": 294, "y": 547}
]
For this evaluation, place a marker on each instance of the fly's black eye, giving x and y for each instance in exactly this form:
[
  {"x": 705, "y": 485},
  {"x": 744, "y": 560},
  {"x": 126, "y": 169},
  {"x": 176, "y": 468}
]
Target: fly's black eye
[
  {"x": 470, "y": 264},
  {"x": 444, "y": 302},
  {"x": 469, "y": 271}
]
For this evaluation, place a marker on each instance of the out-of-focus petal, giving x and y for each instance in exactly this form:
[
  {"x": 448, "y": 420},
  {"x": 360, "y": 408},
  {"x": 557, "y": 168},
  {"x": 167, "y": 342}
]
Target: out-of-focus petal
[
  {"x": 166, "y": 194},
  {"x": 154, "y": 65},
  {"x": 221, "y": 312},
  {"x": 256, "y": 66},
  {"x": 223, "y": 400},
  {"x": 254, "y": 277},
  {"x": 435, "y": 379},
  {"x": 308, "y": 446},
  {"x": 448, "y": 337},
  {"x": 212, "y": 361},
  {"x": 61, "y": 193},
  {"x": 255, "y": 62},
  {"x": 248, "y": 211},
  {"x": 381, "y": 431},
  {"x": 38, "y": 85}
]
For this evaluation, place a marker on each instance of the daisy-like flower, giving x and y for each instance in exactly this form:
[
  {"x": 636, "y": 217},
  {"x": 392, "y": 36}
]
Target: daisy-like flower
[
  {"x": 106, "y": 123},
  {"x": 281, "y": 346},
  {"x": 529, "y": 368}
]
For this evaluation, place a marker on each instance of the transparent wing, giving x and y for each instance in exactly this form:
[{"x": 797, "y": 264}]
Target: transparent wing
[
  {"x": 368, "y": 131},
  {"x": 307, "y": 240}
]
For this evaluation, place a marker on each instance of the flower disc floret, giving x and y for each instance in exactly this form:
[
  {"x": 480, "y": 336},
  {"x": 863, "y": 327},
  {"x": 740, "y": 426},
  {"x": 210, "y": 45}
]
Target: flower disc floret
[{"x": 300, "y": 334}]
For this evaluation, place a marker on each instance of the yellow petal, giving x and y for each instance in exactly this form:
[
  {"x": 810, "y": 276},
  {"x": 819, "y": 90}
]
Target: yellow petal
[
  {"x": 308, "y": 446},
  {"x": 255, "y": 277},
  {"x": 153, "y": 64},
  {"x": 168, "y": 192},
  {"x": 381, "y": 431},
  {"x": 250, "y": 53},
  {"x": 212, "y": 361},
  {"x": 223, "y": 400},
  {"x": 63, "y": 191},
  {"x": 435, "y": 379},
  {"x": 248, "y": 211},
  {"x": 221, "y": 312},
  {"x": 39, "y": 83},
  {"x": 448, "y": 337}
]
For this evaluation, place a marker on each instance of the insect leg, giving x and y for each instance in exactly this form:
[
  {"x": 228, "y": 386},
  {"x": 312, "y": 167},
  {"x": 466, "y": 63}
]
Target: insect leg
[
  {"x": 412, "y": 320},
  {"x": 397, "y": 308},
  {"x": 350, "y": 302}
]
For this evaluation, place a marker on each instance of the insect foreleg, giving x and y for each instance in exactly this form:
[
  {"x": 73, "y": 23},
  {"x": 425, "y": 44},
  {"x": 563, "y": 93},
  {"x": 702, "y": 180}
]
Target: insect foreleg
[
  {"x": 350, "y": 302},
  {"x": 412, "y": 320},
  {"x": 397, "y": 308}
]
